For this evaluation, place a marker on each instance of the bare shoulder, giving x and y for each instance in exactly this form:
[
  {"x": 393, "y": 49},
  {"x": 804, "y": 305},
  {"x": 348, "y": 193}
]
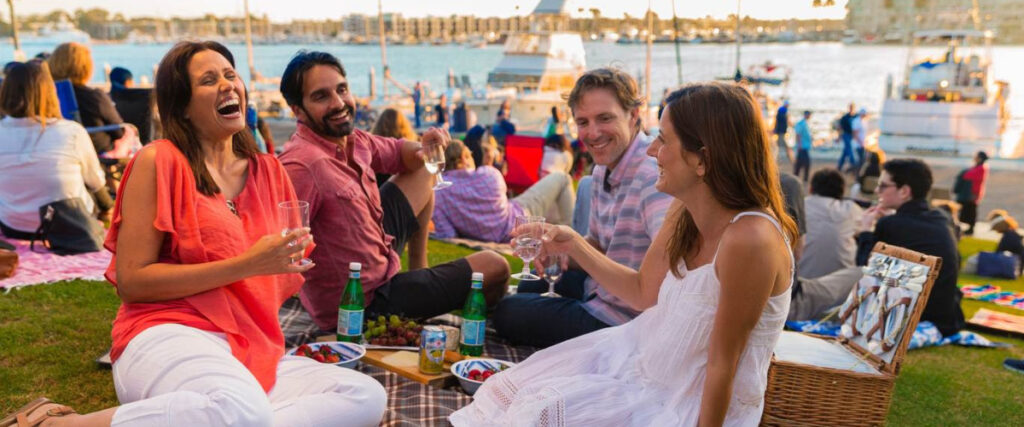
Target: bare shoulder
[{"x": 751, "y": 233}]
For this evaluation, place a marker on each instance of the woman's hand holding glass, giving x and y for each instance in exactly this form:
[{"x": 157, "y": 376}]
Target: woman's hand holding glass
[
  {"x": 278, "y": 253},
  {"x": 526, "y": 243}
]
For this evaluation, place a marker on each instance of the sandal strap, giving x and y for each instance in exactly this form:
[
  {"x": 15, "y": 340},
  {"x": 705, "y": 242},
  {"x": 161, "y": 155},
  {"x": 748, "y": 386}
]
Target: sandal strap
[{"x": 57, "y": 411}]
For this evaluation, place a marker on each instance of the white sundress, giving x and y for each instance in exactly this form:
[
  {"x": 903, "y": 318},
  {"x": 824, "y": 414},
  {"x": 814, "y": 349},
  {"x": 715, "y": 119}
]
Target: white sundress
[{"x": 647, "y": 372}]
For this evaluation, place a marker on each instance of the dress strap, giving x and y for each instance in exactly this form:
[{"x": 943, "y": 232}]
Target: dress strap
[{"x": 775, "y": 222}]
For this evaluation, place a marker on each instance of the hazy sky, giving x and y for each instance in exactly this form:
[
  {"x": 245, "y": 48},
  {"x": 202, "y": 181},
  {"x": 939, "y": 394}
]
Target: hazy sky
[{"x": 285, "y": 10}]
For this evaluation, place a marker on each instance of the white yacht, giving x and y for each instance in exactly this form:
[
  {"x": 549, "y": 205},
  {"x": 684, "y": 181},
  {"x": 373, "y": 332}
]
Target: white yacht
[
  {"x": 946, "y": 105},
  {"x": 537, "y": 69}
]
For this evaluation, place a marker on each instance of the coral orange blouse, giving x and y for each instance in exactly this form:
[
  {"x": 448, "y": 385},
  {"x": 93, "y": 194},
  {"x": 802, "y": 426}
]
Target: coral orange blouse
[{"x": 197, "y": 229}]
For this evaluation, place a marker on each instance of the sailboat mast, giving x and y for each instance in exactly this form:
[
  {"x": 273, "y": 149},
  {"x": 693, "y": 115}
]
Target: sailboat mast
[
  {"x": 383, "y": 48},
  {"x": 248, "y": 46},
  {"x": 647, "y": 68},
  {"x": 739, "y": 39},
  {"x": 14, "y": 28},
  {"x": 675, "y": 39}
]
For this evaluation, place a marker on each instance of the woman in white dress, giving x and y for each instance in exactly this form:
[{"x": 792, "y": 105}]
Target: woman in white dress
[{"x": 714, "y": 285}]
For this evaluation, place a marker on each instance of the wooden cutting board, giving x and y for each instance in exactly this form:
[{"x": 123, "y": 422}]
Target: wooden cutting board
[{"x": 406, "y": 364}]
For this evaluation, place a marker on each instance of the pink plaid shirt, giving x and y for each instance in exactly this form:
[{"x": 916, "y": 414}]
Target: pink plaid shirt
[
  {"x": 345, "y": 214},
  {"x": 475, "y": 206}
]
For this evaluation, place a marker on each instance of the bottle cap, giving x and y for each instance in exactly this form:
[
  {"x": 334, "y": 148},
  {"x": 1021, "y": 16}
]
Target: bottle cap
[
  {"x": 478, "y": 277},
  {"x": 355, "y": 266}
]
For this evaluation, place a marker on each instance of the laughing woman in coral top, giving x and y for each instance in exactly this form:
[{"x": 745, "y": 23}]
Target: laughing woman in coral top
[{"x": 202, "y": 271}]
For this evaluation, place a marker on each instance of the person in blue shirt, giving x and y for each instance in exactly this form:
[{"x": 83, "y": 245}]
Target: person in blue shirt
[
  {"x": 804, "y": 141},
  {"x": 781, "y": 127}
]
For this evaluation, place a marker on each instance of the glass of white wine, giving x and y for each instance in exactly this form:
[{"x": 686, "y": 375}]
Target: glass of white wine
[
  {"x": 527, "y": 243},
  {"x": 434, "y": 162},
  {"x": 294, "y": 215},
  {"x": 552, "y": 272}
]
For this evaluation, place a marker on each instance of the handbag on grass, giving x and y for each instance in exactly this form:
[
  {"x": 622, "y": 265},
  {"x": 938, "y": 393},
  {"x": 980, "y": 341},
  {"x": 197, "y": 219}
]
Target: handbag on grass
[
  {"x": 998, "y": 264},
  {"x": 66, "y": 227},
  {"x": 8, "y": 263}
]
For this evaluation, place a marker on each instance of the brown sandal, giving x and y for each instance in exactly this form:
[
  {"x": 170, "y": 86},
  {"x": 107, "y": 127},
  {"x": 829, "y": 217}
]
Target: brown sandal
[{"x": 20, "y": 418}]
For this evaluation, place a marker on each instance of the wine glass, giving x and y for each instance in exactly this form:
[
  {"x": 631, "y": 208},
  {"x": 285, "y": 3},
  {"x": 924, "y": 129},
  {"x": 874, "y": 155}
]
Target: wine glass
[
  {"x": 434, "y": 162},
  {"x": 552, "y": 272},
  {"x": 294, "y": 215},
  {"x": 527, "y": 243}
]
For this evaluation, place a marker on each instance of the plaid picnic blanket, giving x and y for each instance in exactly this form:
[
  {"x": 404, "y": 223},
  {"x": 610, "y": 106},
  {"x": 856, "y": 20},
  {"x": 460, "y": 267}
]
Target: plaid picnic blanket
[{"x": 409, "y": 403}]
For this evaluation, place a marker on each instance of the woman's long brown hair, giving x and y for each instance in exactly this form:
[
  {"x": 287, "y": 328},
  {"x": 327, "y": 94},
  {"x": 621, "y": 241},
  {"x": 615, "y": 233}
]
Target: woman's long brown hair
[
  {"x": 724, "y": 121},
  {"x": 29, "y": 91},
  {"x": 174, "y": 92}
]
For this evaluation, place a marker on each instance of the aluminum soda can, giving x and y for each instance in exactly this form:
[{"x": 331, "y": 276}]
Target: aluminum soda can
[{"x": 432, "y": 343}]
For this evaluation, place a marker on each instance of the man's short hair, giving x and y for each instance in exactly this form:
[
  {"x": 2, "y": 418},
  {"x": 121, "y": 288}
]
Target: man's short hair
[
  {"x": 618, "y": 82},
  {"x": 807, "y": 113},
  {"x": 828, "y": 182},
  {"x": 295, "y": 73},
  {"x": 912, "y": 172}
]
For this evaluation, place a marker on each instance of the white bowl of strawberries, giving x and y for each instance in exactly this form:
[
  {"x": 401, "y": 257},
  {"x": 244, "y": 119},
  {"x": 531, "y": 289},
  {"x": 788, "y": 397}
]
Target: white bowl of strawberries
[
  {"x": 344, "y": 354},
  {"x": 473, "y": 372}
]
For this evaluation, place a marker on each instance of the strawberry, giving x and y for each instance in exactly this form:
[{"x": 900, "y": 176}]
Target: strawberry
[
  {"x": 334, "y": 358},
  {"x": 474, "y": 373},
  {"x": 487, "y": 374},
  {"x": 318, "y": 357}
]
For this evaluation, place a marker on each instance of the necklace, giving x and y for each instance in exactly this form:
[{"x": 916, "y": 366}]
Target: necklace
[{"x": 231, "y": 206}]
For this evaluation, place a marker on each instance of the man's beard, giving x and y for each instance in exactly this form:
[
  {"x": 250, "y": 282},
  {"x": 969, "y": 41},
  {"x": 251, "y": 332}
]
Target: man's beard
[{"x": 345, "y": 129}]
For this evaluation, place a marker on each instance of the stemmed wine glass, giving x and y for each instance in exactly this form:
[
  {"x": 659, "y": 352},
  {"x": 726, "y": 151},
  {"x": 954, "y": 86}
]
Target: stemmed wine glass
[
  {"x": 552, "y": 272},
  {"x": 527, "y": 243},
  {"x": 294, "y": 215},
  {"x": 434, "y": 163}
]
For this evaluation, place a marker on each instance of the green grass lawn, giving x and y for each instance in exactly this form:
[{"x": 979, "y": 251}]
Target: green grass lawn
[{"x": 49, "y": 336}]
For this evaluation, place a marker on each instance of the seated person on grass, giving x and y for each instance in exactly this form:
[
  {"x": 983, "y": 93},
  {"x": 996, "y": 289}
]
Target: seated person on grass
[
  {"x": 332, "y": 166},
  {"x": 903, "y": 218},
  {"x": 625, "y": 215},
  {"x": 477, "y": 207}
]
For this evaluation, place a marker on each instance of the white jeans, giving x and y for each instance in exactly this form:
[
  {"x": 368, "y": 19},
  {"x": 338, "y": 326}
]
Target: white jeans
[
  {"x": 175, "y": 376},
  {"x": 551, "y": 197}
]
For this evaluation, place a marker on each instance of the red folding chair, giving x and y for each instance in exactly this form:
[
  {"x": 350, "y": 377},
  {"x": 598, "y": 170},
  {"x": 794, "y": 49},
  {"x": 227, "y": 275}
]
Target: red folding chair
[{"x": 523, "y": 155}]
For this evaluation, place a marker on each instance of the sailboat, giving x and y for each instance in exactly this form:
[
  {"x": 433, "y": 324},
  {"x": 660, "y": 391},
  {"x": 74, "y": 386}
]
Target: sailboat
[{"x": 767, "y": 73}]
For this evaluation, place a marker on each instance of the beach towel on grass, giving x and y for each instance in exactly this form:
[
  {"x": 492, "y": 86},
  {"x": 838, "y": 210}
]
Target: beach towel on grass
[
  {"x": 993, "y": 294},
  {"x": 926, "y": 334},
  {"x": 409, "y": 403},
  {"x": 35, "y": 268},
  {"x": 501, "y": 248}
]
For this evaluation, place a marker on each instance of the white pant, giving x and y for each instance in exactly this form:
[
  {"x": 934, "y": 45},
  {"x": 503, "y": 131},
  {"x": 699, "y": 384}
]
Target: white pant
[
  {"x": 175, "y": 376},
  {"x": 551, "y": 197}
]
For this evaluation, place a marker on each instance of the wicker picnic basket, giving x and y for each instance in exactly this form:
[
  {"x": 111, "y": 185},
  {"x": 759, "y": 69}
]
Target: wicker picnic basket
[{"x": 802, "y": 393}]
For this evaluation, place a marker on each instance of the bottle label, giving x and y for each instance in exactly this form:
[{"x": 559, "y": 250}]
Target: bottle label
[
  {"x": 350, "y": 322},
  {"x": 353, "y": 274},
  {"x": 472, "y": 332}
]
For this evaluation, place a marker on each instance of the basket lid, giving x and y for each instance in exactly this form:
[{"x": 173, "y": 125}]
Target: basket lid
[{"x": 881, "y": 313}]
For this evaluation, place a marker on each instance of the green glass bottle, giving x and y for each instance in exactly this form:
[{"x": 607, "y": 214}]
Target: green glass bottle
[
  {"x": 351, "y": 307},
  {"x": 474, "y": 319}
]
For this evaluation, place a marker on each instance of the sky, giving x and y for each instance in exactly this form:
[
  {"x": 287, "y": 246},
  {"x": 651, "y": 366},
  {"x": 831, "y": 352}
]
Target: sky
[{"x": 286, "y": 10}]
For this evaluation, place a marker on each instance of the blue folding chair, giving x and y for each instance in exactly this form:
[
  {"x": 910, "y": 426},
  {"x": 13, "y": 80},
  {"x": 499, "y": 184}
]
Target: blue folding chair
[{"x": 69, "y": 107}]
